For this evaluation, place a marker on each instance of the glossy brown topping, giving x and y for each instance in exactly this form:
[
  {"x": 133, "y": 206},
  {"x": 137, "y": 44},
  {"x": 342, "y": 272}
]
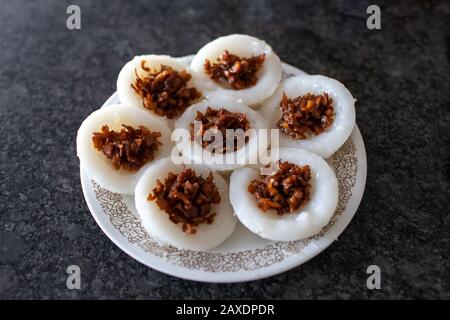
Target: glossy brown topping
[
  {"x": 234, "y": 72},
  {"x": 187, "y": 198},
  {"x": 304, "y": 115},
  {"x": 128, "y": 148},
  {"x": 165, "y": 91},
  {"x": 285, "y": 190},
  {"x": 221, "y": 120}
]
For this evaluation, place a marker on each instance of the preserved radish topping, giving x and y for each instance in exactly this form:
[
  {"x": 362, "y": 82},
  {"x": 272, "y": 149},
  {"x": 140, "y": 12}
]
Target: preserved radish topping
[
  {"x": 221, "y": 120},
  {"x": 286, "y": 190},
  {"x": 305, "y": 115},
  {"x": 128, "y": 148},
  {"x": 187, "y": 198},
  {"x": 234, "y": 72},
  {"x": 165, "y": 91}
]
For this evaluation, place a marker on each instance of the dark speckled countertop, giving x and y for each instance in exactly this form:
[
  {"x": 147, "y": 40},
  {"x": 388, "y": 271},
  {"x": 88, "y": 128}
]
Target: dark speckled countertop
[{"x": 52, "y": 78}]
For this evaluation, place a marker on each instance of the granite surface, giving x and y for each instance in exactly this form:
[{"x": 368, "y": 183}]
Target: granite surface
[{"x": 52, "y": 78}]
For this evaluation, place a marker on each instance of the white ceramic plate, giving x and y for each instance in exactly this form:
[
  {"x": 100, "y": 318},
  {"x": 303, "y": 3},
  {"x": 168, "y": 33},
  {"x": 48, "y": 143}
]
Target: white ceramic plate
[{"x": 243, "y": 256}]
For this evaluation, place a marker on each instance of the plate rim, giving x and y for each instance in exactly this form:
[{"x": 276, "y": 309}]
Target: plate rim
[{"x": 242, "y": 275}]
